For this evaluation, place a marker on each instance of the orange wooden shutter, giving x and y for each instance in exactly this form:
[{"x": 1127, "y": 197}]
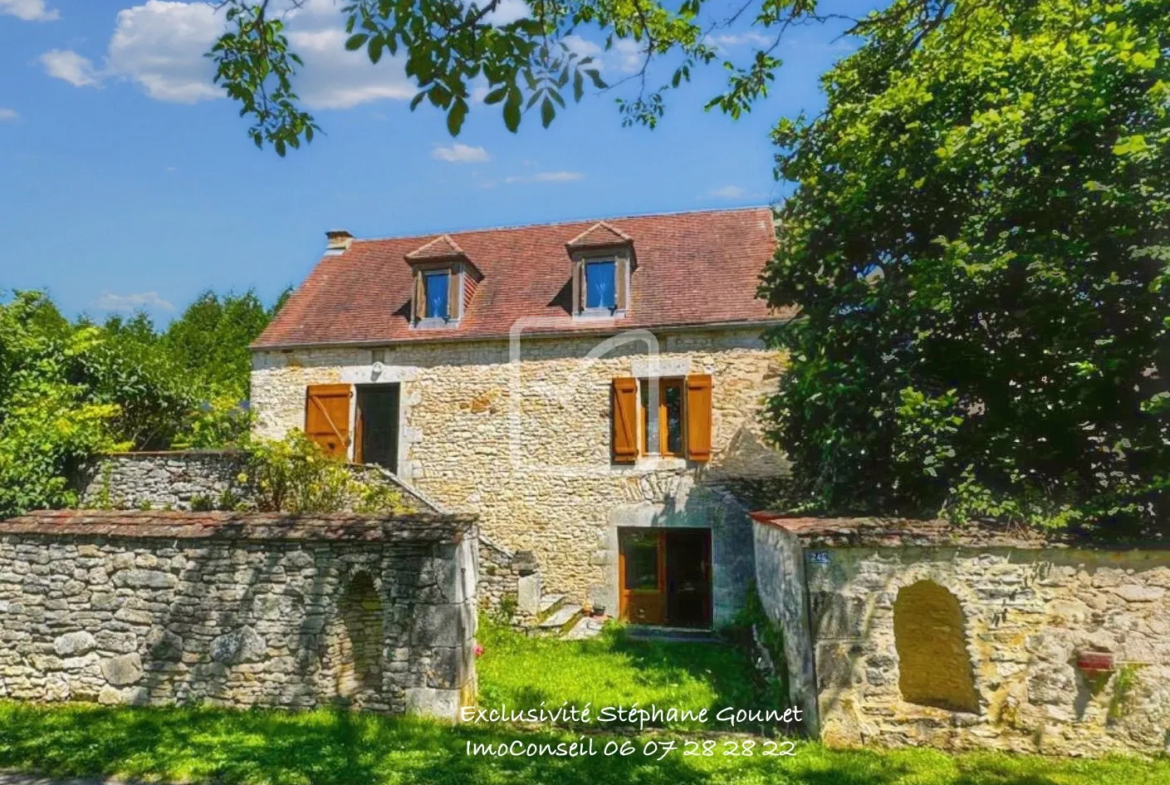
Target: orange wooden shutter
[
  {"x": 698, "y": 436},
  {"x": 419, "y": 299},
  {"x": 327, "y": 417},
  {"x": 625, "y": 419}
]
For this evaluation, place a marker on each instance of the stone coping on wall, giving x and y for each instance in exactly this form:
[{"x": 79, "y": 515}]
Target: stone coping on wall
[
  {"x": 184, "y": 525},
  {"x": 878, "y": 532}
]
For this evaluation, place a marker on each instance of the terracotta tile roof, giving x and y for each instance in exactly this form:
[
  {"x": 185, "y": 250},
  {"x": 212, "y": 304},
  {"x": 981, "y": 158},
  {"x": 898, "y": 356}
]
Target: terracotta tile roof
[
  {"x": 691, "y": 269},
  {"x": 442, "y": 247},
  {"x": 601, "y": 233},
  {"x": 150, "y": 524}
]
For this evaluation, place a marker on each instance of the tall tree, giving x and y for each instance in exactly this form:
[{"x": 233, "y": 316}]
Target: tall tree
[{"x": 979, "y": 248}]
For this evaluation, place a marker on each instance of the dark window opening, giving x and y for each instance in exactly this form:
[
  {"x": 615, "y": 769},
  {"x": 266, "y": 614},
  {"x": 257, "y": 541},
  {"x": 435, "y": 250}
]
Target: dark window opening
[{"x": 377, "y": 425}]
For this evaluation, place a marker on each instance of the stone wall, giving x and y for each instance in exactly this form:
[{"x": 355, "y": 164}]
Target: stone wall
[
  {"x": 126, "y": 481},
  {"x": 239, "y": 610},
  {"x": 920, "y": 636},
  {"x": 175, "y": 480},
  {"x": 527, "y": 445}
]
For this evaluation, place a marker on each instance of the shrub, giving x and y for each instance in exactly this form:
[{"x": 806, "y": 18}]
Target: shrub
[{"x": 293, "y": 475}]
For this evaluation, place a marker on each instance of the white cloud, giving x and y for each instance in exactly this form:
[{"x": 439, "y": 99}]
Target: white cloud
[
  {"x": 507, "y": 11},
  {"x": 334, "y": 78},
  {"x": 545, "y": 177},
  {"x": 28, "y": 10},
  {"x": 461, "y": 154},
  {"x": 729, "y": 40},
  {"x": 126, "y": 302},
  {"x": 8, "y": 115},
  {"x": 582, "y": 46},
  {"x": 160, "y": 45},
  {"x": 70, "y": 66},
  {"x": 630, "y": 55},
  {"x": 728, "y": 192}
]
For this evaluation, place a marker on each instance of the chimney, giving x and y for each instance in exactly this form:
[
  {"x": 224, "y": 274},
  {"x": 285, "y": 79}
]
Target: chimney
[{"x": 339, "y": 241}]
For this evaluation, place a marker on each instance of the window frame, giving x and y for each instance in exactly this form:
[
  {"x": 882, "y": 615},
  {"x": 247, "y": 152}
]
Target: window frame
[
  {"x": 427, "y": 277},
  {"x": 599, "y": 309},
  {"x": 663, "y": 419},
  {"x": 623, "y": 265},
  {"x": 454, "y": 272}
]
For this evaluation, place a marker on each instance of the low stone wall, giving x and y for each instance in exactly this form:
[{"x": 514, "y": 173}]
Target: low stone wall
[
  {"x": 509, "y": 584},
  {"x": 910, "y": 633},
  {"x": 239, "y": 609},
  {"x": 174, "y": 480},
  {"x": 178, "y": 480}
]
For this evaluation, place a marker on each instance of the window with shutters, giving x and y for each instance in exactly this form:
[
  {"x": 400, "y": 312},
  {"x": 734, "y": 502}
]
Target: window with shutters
[
  {"x": 438, "y": 295},
  {"x": 664, "y": 417},
  {"x": 601, "y": 284}
]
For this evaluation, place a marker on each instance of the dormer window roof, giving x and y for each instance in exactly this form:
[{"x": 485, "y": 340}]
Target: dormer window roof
[
  {"x": 599, "y": 235},
  {"x": 442, "y": 247}
]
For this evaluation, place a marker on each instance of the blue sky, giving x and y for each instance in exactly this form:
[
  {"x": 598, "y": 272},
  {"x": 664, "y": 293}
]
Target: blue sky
[{"x": 126, "y": 181}]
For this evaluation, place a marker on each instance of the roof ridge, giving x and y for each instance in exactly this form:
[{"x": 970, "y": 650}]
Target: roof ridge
[{"x": 518, "y": 227}]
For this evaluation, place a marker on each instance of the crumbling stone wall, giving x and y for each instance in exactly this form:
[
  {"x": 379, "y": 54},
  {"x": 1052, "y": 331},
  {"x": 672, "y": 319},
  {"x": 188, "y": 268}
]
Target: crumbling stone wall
[
  {"x": 239, "y": 610},
  {"x": 549, "y": 486},
  {"x": 1030, "y": 607}
]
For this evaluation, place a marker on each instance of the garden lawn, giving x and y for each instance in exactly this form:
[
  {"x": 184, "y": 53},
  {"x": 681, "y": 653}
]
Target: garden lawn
[
  {"x": 331, "y": 747},
  {"x": 326, "y": 747},
  {"x": 613, "y": 670}
]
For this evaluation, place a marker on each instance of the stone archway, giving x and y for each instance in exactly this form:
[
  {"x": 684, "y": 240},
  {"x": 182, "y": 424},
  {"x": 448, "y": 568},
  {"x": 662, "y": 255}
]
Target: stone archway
[
  {"x": 355, "y": 647},
  {"x": 934, "y": 667}
]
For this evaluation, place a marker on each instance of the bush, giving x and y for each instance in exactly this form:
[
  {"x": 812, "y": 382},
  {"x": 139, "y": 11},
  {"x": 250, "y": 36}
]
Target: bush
[{"x": 293, "y": 475}]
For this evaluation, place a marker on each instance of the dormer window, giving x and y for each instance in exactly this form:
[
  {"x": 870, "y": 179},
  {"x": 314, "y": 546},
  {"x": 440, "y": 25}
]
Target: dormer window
[
  {"x": 444, "y": 283},
  {"x": 603, "y": 259}
]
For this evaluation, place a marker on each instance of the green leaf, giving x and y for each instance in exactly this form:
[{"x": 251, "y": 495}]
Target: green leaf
[
  {"x": 512, "y": 110},
  {"x": 455, "y": 116},
  {"x": 547, "y": 112},
  {"x": 356, "y": 41}
]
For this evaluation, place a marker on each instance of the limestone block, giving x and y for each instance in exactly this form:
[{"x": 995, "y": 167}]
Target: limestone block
[
  {"x": 122, "y": 670},
  {"x": 74, "y": 644}
]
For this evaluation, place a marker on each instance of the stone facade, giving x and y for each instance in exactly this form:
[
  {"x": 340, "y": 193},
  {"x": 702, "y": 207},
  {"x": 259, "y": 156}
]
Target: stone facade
[
  {"x": 526, "y": 445},
  {"x": 928, "y": 638},
  {"x": 239, "y": 610}
]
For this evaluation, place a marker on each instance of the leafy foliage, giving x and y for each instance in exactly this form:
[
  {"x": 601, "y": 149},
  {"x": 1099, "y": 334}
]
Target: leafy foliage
[
  {"x": 527, "y": 64},
  {"x": 293, "y": 475},
  {"x": 68, "y": 391},
  {"x": 978, "y": 248}
]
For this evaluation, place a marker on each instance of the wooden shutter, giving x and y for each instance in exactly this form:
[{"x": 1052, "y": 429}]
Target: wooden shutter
[
  {"x": 698, "y": 406},
  {"x": 619, "y": 273},
  {"x": 454, "y": 295},
  {"x": 419, "y": 299},
  {"x": 625, "y": 419},
  {"x": 327, "y": 417}
]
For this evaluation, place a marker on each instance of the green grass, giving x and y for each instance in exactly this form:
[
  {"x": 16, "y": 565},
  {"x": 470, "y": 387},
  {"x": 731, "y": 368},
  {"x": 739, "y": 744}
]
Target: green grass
[
  {"x": 332, "y": 748},
  {"x": 612, "y": 670},
  {"x": 327, "y": 747}
]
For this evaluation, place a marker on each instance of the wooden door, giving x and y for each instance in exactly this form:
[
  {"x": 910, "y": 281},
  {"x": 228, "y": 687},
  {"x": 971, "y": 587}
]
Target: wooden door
[
  {"x": 642, "y": 571},
  {"x": 327, "y": 417}
]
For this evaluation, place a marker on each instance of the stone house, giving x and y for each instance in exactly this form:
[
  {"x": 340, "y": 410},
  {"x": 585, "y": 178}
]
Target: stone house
[{"x": 591, "y": 390}]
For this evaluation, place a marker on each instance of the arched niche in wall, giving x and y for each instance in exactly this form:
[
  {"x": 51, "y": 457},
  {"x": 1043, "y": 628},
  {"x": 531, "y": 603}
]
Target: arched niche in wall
[
  {"x": 934, "y": 668},
  {"x": 355, "y": 645}
]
